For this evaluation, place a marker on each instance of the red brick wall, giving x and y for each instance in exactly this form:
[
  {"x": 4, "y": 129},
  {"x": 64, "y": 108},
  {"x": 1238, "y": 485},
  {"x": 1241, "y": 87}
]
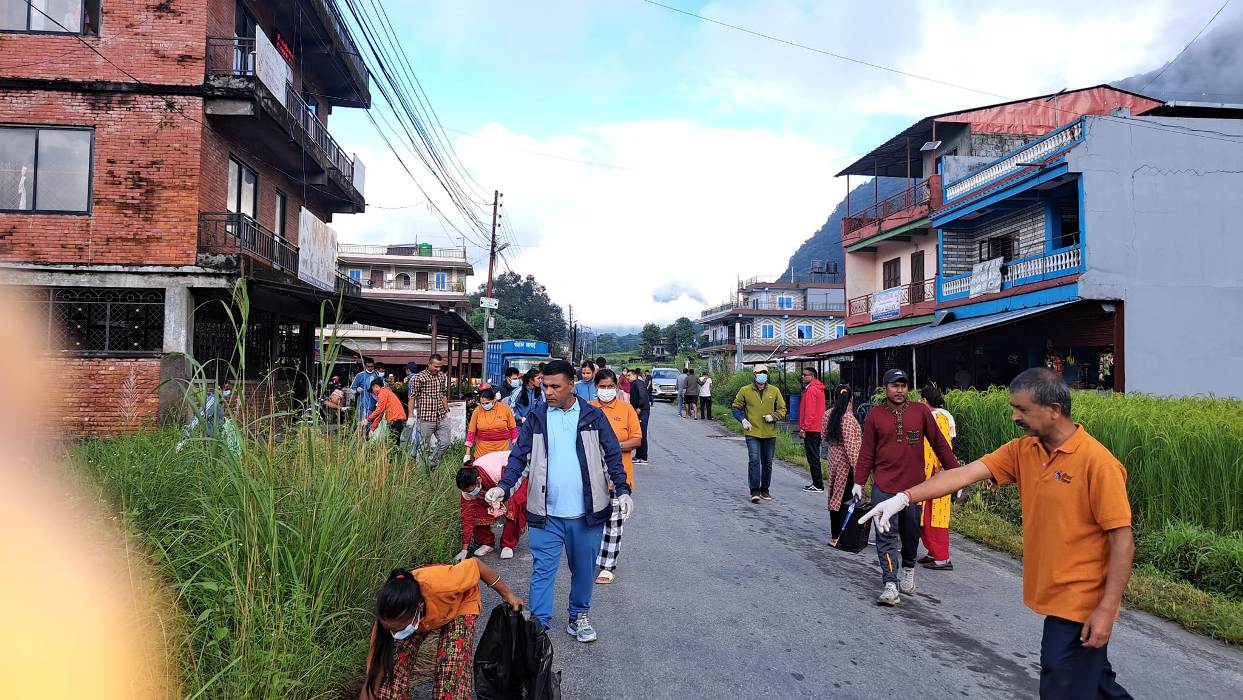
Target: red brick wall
[
  {"x": 159, "y": 42},
  {"x": 144, "y": 180},
  {"x": 118, "y": 396}
]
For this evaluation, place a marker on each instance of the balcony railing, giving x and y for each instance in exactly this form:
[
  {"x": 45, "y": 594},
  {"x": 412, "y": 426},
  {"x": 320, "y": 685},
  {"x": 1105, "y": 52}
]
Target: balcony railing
[
  {"x": 1031, "y": 153},
  {"x": 913, "y": 293},
  {"x": 414, "y": 286},
  {"x": 1020, "y": 272},
  {"x": 347, "y": 286},
  {"x": 794, "y": 306},
  {"x": 240, "y": 56},
  {"x": 227, "y": 232},
  {"x": 410, "y": 250},
  {"x": 918, "y": 193}
]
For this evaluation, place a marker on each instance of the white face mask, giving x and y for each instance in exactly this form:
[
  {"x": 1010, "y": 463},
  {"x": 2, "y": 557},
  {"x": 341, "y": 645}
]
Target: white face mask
[
  {"x": 515, "y": 383},
  {"x": 410, "y": 628},
  {"x": 607, "y": 395}
]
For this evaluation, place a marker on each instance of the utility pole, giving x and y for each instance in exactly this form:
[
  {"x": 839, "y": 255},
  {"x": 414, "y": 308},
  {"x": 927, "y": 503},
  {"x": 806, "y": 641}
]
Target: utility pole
[
  {"x": 571, "y": 334},
  {"x": 487, "y": 313}
]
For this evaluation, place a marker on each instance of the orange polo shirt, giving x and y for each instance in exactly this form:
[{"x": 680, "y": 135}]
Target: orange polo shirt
[
  {"x": 449, "y": 592},
  {"x": 1071, "y": 499},
  {"x": 626, "y": 426}
]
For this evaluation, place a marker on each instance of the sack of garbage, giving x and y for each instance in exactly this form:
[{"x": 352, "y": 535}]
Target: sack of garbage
[
  {"x": 854, "y": 538},
  {"x": 514, "y": 658}
]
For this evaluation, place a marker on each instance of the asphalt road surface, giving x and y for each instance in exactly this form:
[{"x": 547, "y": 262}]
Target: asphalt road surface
[{"x": 717, "y": 597}]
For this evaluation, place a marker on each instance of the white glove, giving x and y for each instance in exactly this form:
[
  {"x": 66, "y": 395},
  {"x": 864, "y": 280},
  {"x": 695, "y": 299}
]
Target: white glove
[
  {"x": 746, "y": 424},
  {"x": 410, "y": 421},
  {"x": 857, "y": 491},
  {"x": 494, "y": 494},
  {"x": 461, "y": 556},
  {"x": 466, "y": 458},
  {"x": 625, "y": 504},
  {"x": 768, "y": 418},
  {"x": 885, "y": 510}
]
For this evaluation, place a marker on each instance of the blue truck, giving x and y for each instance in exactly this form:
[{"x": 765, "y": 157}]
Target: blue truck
[{"x": 503, "y": 354}]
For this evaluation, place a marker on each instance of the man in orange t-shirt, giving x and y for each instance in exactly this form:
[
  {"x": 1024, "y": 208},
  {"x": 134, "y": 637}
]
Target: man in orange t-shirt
[{"x": 1077, "y": 542}]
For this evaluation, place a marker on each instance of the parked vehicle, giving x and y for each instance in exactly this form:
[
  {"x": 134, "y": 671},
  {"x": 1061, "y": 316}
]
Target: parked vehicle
[
  {"x": 522, "y": 354},
  {"x": 665, "y": 383}
]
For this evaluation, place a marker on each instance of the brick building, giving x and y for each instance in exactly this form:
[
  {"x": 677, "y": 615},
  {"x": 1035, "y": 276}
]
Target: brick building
[{"x": 154, "y": 154}]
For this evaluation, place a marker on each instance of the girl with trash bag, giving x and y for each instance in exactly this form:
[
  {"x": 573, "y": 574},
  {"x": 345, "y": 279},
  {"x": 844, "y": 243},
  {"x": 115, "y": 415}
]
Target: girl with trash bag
[
  {"x": 410, "y": 607},
  {"x": 477, "y": 515}
]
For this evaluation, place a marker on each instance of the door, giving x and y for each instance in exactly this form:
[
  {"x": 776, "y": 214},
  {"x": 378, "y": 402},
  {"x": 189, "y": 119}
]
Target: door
[
  {"x": 377, "y": 279},
  {"x": 917, "y": 276},
  {"x": 243, "y": 41},
  {"x": 420, "y": 280}
]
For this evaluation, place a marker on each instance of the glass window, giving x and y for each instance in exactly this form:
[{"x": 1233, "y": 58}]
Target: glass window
[
  {"x": 785, "y": 302},
  {"x": 767, "y": 331},
  {"x": 13, "y": 14},
  {"x": 442, "y": 281},
  {"x": 278, "y": 217},
  {"x": 46, "y": 170},
  {"x": 55, "y": 15},
  {"x": 64, "y": 170},
  {"x": 243, "y": 186},
  {"x": 892, "y": 273},
  {"x": 356, "y": 275},
  {"x": 805, "y": 331}
]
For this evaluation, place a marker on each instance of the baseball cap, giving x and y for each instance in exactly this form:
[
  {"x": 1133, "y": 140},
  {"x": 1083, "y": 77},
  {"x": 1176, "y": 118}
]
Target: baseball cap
[
  {"x": 759, "y": 368},
  {"x": 896, "y": 375}
]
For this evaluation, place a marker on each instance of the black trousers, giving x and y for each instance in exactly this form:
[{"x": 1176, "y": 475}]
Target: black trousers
[
  {"x": 1071, "y": 671},
  {"x": 705, "y": 408},
  {"x": 811, "y": 446},
  {"x": 644, "y": 414}
]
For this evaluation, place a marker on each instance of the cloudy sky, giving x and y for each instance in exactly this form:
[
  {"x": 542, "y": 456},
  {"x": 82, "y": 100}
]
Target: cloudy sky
[{"x": 712, "y": 151}]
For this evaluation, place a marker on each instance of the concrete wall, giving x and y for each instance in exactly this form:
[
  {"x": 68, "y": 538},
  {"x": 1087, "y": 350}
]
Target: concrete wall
[
  {"x": 865, "y": 271},
  {"x": 962, "y": 249},
  {"x": 1163, "y": 233}
]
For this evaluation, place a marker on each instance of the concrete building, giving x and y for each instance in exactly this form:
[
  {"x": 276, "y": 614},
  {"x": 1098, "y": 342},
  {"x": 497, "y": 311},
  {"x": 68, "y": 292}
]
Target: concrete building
[
  {"x": 767, "y": 316},
  {"x": 1100, "y": 248},
  {"x": 153, "y": 155}
]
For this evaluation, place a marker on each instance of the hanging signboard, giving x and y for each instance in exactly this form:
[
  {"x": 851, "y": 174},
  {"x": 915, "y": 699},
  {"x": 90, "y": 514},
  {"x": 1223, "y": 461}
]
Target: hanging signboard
[
  {"x": 317, "y": 251},
  {"x": 887, "y": 304},
  {"x": 489, "y": 303},
  {"x": 986, "y": 277}
]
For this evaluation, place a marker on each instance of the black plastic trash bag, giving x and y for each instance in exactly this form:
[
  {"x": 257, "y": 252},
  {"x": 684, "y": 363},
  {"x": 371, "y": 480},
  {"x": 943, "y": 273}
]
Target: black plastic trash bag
[
  {"x": 854, "y": 537},
  {"x": 514, "y": 659}
]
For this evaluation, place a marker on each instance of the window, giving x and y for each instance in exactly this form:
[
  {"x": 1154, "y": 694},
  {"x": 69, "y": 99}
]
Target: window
[
  {"x": 917, "y": 275},
  {"x": 93, "y": 320},
  {"x": 1070, "y": 229},
  {"x": 891, "y": 271},
  {"x": 53, "y": 16},
  {"x": 785, "y": 301},
  {"x": 278, "y": 216},
  {"x": 45, "y": 169},
  {"x": 998, "y": 247},
  {"x": 356, "y": 275},
  {"x": 403, "y": 281},
  {"x": 768, "y": 331},
  {"x": 805, "y": 331},
  {"x": 243, "y": 189},
  {"x": 442, "y": 281}
]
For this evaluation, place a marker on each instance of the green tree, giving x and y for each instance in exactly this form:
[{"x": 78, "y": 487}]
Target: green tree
[
  {"x": 680, "y": 336},
  {"x": 525, "y": 307},
  {"x": 607, "y": 343},
  {"x": 649, "y": 338}
]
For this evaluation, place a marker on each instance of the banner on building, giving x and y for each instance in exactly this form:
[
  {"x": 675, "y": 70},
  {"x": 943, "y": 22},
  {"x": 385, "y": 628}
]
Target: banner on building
[
  {"x": 317, "y": 251},
  {"x": 270, "y": 67},
  {"x": 887, "y": 304},
  {"x": 986, "y": 277}
]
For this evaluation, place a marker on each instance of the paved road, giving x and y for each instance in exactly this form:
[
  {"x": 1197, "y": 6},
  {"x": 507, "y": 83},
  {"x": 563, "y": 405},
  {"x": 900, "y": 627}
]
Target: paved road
[{"x": 719, "y": 597}]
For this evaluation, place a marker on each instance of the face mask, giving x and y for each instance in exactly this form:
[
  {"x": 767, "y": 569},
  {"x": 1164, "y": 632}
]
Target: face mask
[
  {"x": 488, "y": 406},
  {"x": 606, "y": 395},
  {"x": 474, "y": 492},
  {"x": 515, "y": 383},
  {"x": 409, "y": 630},
  {"x": 761, "y": 378},
  {"x": 227, "y": 393}
]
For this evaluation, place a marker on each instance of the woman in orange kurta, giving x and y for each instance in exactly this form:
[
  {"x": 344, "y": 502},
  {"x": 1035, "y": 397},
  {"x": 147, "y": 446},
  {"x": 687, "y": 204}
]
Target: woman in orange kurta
[
  {"x": 935, "y": 520},
  {"x": 492, "y": 427}
]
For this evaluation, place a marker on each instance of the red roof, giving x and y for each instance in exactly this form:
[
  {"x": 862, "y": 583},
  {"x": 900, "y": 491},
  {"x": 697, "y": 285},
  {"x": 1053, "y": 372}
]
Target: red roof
[{"x": 844, "y": 344}]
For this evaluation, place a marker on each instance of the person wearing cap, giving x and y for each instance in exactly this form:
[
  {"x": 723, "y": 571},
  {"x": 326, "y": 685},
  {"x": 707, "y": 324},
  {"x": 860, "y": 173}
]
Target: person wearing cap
[
  {"x": 1078, "y": 546},
  {"x": 758, "y": 406},
  {"x": 892, "y": 454}
]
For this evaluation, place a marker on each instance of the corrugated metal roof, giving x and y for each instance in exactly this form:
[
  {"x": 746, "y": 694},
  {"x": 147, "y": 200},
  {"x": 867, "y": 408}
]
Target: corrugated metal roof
[{"x": 927, "y": 334}]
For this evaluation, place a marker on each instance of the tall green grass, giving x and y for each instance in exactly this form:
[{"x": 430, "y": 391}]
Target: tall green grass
[
  {"x": 273, "y": 556},
  {"x": 1184, "y": 456}
]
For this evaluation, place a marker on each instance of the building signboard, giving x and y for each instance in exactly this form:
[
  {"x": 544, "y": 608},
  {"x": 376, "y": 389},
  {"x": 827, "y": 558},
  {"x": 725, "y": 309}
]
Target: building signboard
[
  {"x": 887, "y": 304},
  {"x": 489, "y": 303},
  {"x": 986, "y": 277},
  {"x": 270, "y": 68},
  {"x": 317, "y": 251}
]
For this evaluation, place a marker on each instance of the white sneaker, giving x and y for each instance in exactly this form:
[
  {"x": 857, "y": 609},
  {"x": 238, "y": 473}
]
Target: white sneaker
[
  {"x": 507, "y": 553},
  {"x": 889, "y": 596},
  {"x": 906, "y": 582},
  {"x": 483, "y": 550}
]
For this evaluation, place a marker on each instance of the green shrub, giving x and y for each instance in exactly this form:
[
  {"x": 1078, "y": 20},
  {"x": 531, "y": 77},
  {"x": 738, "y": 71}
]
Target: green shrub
[
  {"x": 273, "y": 556},
  {"x": 1204, "y": 558}
]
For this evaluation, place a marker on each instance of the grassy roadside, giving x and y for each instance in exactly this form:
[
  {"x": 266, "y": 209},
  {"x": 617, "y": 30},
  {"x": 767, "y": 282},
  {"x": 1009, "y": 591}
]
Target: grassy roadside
[{"x": 1211, "y": 614}]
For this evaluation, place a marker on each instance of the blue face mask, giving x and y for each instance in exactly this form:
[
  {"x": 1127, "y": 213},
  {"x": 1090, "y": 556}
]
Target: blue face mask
[
  {"x": 474, "y": 492},
  {"x": 515, "y": 383},
  {"x": 409, "y": 630},
  {"x": 761, "y": 378},
  {"x": 488, "y": 406}
]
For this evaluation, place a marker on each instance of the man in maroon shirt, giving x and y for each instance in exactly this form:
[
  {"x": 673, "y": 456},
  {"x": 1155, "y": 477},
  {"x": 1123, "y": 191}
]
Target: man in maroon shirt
[{"x": 892, "y": 454}]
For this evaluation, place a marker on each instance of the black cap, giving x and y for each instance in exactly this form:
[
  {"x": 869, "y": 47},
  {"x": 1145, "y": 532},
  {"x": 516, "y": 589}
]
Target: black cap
[{"x": 895, "y": 375}]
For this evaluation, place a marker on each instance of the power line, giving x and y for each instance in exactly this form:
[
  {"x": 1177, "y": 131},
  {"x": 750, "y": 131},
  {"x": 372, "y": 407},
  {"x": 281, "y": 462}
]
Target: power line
[{"x": 1180, "y": 53}]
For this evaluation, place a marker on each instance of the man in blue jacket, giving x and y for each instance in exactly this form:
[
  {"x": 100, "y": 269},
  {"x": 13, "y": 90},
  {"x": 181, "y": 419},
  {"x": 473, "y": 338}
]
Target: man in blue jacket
[{"x": 568, "y": 453}]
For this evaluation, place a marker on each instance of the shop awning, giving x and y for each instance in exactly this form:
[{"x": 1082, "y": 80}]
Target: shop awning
[
  {"x": 838, "y": 346},
  {"x": 929, "y": 334},
  {"x": 396, "y": 315}
]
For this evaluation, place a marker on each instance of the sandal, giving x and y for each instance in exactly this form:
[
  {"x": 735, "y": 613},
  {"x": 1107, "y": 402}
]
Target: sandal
[{"x": 605, "y": 577}]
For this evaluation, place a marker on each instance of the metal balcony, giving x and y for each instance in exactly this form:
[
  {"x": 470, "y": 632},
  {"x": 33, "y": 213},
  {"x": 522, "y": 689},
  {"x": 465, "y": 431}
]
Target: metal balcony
[{"x": 234, "y": 233}]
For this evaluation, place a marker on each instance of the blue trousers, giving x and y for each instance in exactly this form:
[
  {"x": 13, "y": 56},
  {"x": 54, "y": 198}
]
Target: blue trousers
[
  {"x": 581, "y": 543},
  {"x": 760, "y": 462},
  {"x": 1071, "y": 671}
]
